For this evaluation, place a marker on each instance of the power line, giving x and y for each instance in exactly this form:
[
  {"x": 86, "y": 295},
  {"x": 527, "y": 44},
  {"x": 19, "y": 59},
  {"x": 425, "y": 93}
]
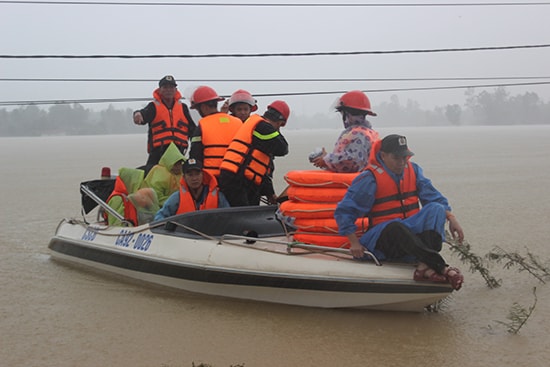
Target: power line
[
  {"x": 290, "y": 94},
  {"x": 282, "y": 54},
  {"x": 273, "y": 80},
  {"x": 303, "y": 5}
]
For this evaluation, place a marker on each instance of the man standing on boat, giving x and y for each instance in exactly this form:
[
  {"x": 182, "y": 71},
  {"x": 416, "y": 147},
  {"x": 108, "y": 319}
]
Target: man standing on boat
[
  {"x": 169, "y": 121},
  {"x": 199, "y": 190},
  {"x": 406, "y": 213},
  {"x": 214, "y": 132},
  {"x": 248, "y": 160},
  {"x": 352, "y": 149}
]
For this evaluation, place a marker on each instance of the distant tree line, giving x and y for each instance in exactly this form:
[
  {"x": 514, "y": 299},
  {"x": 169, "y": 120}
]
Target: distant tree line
[
  {"x": 484, "y": 108},
  {"x": 66, "y": 119}
]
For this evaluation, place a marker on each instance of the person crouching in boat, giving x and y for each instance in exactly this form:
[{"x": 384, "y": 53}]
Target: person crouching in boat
[
  {"x": 389, "y": 192},
  {"x": 199, "y": 190},
  {"x": 352, "y": 149},
  {"x": 137, "y": 206},
  {"x": 248, "y": 161},
  {"x": 165, "y": 176}
]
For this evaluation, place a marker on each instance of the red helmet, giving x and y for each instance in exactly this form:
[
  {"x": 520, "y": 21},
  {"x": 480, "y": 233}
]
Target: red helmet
[
  {"x": 281, "y": 107},
  {"x": 243, "y": 96},
  {"x": 204, "y": 94},
  {"x": 356, "y": 100}
]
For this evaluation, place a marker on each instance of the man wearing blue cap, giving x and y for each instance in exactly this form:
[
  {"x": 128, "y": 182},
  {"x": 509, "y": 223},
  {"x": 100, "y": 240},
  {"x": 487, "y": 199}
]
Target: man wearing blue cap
[
  {"x": 406, "y": 213},
  {"x": 169, "y": 121},
  {"x": 199, "y": 190}
]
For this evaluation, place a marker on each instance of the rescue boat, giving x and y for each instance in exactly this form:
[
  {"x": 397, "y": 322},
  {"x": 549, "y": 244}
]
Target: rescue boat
[{"x": 243, "y": 252}]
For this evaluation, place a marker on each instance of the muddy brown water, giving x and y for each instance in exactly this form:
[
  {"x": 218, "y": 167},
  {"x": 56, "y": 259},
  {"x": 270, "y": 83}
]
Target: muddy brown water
[{"x": 51, "y": 314}]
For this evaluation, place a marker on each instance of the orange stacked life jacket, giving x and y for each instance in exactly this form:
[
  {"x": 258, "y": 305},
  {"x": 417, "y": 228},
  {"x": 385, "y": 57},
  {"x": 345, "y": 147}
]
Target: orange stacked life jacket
[
  {"x": 242, "y": 158},
  {"x": 169, "y": 124},
  {"x": 187, "y": 204},
  {"x": 130, "y": 212},
  {"x": 391, "y": 200},
  {"x": 313, "y": 196},
  {"x": 217, "y": 131}
]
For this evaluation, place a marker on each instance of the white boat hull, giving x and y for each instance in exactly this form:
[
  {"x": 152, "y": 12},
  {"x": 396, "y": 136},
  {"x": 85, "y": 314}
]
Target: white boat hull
[{"x": 262, "y": 271}]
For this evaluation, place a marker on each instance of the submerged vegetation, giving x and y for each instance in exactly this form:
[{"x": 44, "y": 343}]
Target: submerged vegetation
[
  {"x": 518, "y": 315},
  {"x": 530, "y": 263},
  {"x": 477, "y": 263}
]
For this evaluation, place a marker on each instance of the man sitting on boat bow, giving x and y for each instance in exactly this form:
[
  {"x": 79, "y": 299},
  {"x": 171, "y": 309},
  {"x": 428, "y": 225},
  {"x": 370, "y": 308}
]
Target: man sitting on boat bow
[{"x": 389, "y": 193}]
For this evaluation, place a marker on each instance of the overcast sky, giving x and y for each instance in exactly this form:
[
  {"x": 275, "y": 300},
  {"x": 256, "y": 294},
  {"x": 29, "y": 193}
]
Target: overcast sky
[{"x": 39, "y": 29}]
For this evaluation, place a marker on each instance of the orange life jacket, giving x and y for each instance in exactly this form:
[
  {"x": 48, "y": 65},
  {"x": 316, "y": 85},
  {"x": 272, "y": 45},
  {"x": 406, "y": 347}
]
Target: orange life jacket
[
  {"x": 217, "y": 132},
  {"x": 187, "y": 203},
  {"x": 393, "y": 200},
  {"x": 130, "y": 212},
  {"x": 169, "y": 125},
  {"x": 313, "y": 197},
  {"x": 242, "y": 158},
  {"x": 320, "y": 178}
]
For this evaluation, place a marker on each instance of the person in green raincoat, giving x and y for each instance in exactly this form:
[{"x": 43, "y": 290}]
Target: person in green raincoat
[
  {"x": 165, "y": 177},
  {"x": 137, "y": 206}
]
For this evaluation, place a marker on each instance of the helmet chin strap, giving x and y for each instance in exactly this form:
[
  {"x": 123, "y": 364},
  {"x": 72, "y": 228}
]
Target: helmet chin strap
[
  {"x": 349, "y": 119},
  {"x": 345, "y": 119}
]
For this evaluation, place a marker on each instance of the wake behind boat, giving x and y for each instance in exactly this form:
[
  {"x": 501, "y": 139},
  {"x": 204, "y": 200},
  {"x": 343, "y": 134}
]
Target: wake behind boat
[{"x": 242, "y": 252}]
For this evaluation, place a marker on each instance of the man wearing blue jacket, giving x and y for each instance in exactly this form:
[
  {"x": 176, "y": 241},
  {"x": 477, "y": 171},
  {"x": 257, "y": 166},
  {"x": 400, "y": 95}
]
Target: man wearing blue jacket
[{"x": 407, "y": 214}]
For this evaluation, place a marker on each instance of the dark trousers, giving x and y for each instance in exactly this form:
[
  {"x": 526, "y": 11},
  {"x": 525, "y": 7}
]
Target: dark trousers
[
  {"x": 397, "y": 241},
  {"x": 237, "y": 190}
]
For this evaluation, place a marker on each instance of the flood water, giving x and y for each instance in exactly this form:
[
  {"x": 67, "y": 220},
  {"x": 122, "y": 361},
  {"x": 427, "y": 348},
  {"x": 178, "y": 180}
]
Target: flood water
[{"x": 51, "y": 314}]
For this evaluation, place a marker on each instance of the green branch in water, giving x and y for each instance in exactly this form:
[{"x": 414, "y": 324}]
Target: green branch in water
[
  {"x": 518, "y": 315},
  {"x": 530, "y": 263},
  {"x": 476, "y": 262}
]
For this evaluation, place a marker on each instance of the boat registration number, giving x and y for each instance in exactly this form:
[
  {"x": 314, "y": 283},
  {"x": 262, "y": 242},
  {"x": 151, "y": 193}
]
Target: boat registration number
[{"x": 140, "y": 242}]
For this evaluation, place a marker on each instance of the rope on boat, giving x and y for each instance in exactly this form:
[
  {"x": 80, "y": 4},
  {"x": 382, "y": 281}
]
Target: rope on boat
[
  {"x": 331, "y": 251},
  {"x": 289, "y": 245},
  {"x": 101, "y": 230}
]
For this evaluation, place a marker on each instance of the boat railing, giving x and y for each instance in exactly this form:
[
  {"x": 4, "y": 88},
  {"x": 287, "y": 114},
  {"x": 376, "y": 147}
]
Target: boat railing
[
  {"x": 86, "y": 190},
  {"x": 251, "y": 239}
]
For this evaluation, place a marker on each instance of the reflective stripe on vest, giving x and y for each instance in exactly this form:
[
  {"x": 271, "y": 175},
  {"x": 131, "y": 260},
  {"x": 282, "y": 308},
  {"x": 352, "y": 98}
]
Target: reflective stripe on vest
[{"x": 242, "y": 158}]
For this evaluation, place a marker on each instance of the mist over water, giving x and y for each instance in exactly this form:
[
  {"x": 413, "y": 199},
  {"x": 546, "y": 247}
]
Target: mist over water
[{"x": 51, "y": 314}]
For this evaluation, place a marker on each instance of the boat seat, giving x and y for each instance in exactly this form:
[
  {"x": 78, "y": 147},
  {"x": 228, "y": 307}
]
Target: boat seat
[{"x": 217, "y": 222}]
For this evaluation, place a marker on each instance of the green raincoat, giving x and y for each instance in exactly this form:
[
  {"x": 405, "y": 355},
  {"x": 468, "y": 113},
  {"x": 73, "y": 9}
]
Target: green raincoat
[
  {"x": 132, "y": 179},
  {"x": 161, "y": 178}
]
